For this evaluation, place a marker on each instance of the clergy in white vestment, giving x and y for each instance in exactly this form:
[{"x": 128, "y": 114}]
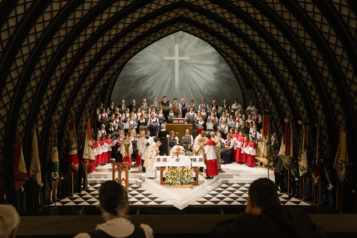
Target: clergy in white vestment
[{"x": 151, "y": 152}]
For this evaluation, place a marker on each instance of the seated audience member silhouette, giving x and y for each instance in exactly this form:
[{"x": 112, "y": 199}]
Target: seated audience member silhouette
[
  {"x": 265, "y": 217},
  {"x": 9, "y": 220},
  {"x": 114, "y": 205}
]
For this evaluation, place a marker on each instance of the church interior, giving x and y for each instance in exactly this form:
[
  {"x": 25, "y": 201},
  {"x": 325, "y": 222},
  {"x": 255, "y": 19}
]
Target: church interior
[{"x": 186, "y": 104}]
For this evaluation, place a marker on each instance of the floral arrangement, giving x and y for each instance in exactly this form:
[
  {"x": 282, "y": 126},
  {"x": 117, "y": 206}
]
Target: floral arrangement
[{"x": 179, "y": 176}]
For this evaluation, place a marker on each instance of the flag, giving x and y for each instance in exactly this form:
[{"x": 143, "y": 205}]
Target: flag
[
  {"x": 286, "y": 147},
  {"x": 317, "y": 160},
  {"x": 266, "y": 151},
  {"x": 54, "y": 161},
  {"x": 88, "y": 152},
  {"x": 72, "y": 144},
  {"x": 35, "y": 168},
  {"x": 302, "y": 156},
  {"x": 341, "y": 159},
  {"x": 20, "y": 171}
]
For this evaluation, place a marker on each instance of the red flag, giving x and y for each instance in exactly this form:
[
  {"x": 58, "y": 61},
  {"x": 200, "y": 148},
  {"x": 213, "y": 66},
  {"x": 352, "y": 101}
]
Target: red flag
[
  {"x": 72, "y": 153},
  {"x": 88, "y": 153},
  {"x": 20, "y": 172}
]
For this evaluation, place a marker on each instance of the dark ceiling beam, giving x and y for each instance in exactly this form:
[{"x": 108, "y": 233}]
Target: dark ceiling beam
[
  {"x": 329, "y": 57},
  {"x": 307, "y": 61},
  {"x": 60, "y": 52},
  {"x": 15, "y": 41},
  {"x": 350, "y": 45},
  {"x": 6, "y": 7},
  {"x": 9, "y": 57},
  {"x": 35, "y": 56}
]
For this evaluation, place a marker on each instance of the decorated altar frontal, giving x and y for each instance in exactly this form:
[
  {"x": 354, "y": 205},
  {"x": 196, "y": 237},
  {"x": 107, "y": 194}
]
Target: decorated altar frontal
[{"x": 179, "y": 171}]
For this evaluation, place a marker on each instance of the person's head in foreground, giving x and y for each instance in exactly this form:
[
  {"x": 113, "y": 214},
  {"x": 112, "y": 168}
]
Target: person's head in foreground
[
  {"x": 9, "y": 220},
  {"x": 265, "y": 217},
  {"x": 262, "y": 195},
  {"x": 114, "y": 205}
]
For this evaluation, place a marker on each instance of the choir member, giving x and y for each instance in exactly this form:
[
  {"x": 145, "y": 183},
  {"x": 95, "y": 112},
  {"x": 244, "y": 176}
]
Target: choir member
[
  {"x": 122, "y": 107},
  {"x": 175, "y": 107},
  {"x": 165, "y": 104},
  {"x": 102, "y": 116},
  {"x": 155, "y": 104},
  {"x": 250, "y": 107},
  {"x": 204, "y": 113},
  {"x": 144, "y": 106},
  {"x": 202, "y": 105},
  {"x": 191, "y": 116},
  {"x": 213, "y": 105},
  {"x": 236, "y": 106},
  {"x": 187, "y": 140},
  {"x": 171, "y": 116},
  {"x": 223, "y": 107},
  {"x": 211, "y": 125},
  {"x": 211, "y": 157},
  {"x": 133, "y": 107},
  {"x": 183, "y": 107},
  {"x": 153, "y": 124},
  {"x": 142, "y": 123},
  {"x": 227, "y": 151},
  {"x": 140, "y": 147},
  {"x": 173, "y": 140},
  {"x": 223, "y": 128},
  {"x": 161, "y": 116},
  {"x": 193, "y": 105},
  {"x": 111, "y": 108},
  {"x": 110, "y": 129}
]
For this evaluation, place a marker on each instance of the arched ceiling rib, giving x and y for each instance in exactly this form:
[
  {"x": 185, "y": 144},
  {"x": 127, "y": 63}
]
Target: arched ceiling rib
[{"x": 58, "y": 56}]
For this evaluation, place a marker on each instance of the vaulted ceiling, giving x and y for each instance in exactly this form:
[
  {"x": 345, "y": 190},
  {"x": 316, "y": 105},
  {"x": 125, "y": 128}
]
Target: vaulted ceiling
[{"x": 298, "y": 57}]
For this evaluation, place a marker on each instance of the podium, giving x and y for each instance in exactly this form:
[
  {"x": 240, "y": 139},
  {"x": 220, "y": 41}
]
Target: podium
[{"x": 179, "y": 128}]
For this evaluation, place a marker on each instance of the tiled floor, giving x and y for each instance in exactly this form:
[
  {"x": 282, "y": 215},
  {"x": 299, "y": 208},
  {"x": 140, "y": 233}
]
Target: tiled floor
[{"x": 227, "y": 194}]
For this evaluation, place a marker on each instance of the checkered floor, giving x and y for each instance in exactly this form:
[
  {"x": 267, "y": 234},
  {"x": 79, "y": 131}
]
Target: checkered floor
[
  {"x": 224, "y": 195},
  {"x": 236, "y": 194}
]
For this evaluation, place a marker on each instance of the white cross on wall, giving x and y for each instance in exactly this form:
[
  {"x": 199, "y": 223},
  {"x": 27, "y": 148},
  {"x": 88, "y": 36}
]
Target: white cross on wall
[{"x": 176, "y": 58}]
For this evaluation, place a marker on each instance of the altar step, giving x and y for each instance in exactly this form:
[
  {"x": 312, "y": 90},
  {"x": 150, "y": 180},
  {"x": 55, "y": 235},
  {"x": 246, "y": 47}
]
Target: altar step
[{"x": 233, "y": 173}]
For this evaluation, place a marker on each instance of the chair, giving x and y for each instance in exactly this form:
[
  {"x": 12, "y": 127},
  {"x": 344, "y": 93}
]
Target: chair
[{"x": 120, "y": 168}]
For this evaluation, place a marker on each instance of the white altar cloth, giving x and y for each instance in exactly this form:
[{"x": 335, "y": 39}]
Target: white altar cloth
[{"x": 181, "y": 161}]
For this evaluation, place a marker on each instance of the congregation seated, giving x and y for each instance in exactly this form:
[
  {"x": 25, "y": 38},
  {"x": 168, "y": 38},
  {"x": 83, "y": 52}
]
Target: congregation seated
[
  {"x": 9, "y": 221},
  {"x": 114, "y": 206},
  {"x": 264, "y": 216}
]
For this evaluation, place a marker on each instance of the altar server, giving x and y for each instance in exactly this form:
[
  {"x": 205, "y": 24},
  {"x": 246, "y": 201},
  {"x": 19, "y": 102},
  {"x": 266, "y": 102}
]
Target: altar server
[
  {"x": 239, "y": 141},
  {"x": 251, "y": 152},
  {"x": 211, "y": 156},
  {"x": 244, "y": 150}
]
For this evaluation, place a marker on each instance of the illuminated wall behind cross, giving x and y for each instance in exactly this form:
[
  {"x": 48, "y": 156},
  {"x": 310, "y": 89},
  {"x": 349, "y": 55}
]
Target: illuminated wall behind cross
[{"x": 200, "y": 72}]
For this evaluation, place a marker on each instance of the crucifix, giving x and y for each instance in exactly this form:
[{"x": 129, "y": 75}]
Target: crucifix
[{"x": 177, "y": 59}]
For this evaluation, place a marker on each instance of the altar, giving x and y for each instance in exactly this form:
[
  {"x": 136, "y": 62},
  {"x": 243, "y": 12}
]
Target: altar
[{"x": 189, "y": 162}]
